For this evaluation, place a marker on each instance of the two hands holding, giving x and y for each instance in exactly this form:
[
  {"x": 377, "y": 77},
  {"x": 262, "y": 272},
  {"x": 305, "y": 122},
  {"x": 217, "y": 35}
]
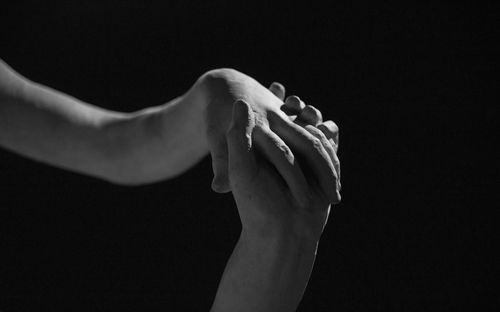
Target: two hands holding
[
  {"x": 281, "y": 164},
  {"x": 276, "y": 155},
  {"x": 272, "y": 151}
]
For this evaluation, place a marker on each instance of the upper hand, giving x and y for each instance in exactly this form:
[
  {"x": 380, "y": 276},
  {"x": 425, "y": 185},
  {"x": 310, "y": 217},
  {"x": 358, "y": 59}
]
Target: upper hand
[
  {"x": 224, "y": 86},
  {"x": 277, "y": 185}
]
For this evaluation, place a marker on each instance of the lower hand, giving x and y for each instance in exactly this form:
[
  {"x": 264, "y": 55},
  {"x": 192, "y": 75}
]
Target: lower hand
[{"x": 280, "y": 186}]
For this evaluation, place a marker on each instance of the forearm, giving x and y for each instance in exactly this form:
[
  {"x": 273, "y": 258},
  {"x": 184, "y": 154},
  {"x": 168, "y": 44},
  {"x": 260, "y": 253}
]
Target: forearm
[
  {"x": 160, "y": 142},
  {"x": 129, "y": 148},
  {"x": 266, "y": 274},
  {"x": 51, "y": 127}
]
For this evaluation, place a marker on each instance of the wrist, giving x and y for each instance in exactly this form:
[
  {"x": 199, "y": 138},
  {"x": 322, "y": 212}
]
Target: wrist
[
  {"x": 226, "y": 85},
  {"x": 12, "y": 83},
  {"x": 284, "y": 237}
]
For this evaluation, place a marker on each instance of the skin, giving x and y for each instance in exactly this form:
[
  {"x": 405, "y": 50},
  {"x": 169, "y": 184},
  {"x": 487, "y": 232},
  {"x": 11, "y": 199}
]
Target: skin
[
  {"x": 135, "y": 148},
  {"x": 228, "y": 85},
  {"x": 272, "y": 261},
  {"x": 283, "y": 200}
]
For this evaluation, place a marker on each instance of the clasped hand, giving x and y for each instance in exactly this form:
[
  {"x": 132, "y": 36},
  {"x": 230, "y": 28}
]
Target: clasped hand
[
  {"x": 224, "y": 86},
  {"x": 283, "y": 170},
  {"x": 277, "y": 185}
]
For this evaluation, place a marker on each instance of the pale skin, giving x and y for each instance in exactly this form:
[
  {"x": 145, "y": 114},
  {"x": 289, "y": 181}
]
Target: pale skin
[
  {"x": 150, "y": 145},
  {"x": 136, "y": 148},
  {"x": 282, "y": 209}
]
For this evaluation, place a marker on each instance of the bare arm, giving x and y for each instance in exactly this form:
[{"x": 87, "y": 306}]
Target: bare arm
[
  {"x": 266, "y": 273},
  {"x": 283, "y": 207},
  {"x": 146, "y": 146},
  {"x": 128, "y": 148}
]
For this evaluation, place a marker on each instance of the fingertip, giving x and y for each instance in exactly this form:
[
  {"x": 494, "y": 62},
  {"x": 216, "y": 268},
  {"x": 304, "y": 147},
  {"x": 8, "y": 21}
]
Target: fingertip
[
  {"x": 220, "y": 185},
  {"x": 295, "y": 104},
  {"x": 329, "y": 126},
  {"x": 242, "y": 113},
  {"x": 312, "y": 115},
  {"x": 330, "y": 130},
  {"x": 277, "y": 85},
  {"x": 278, "y": 89}
]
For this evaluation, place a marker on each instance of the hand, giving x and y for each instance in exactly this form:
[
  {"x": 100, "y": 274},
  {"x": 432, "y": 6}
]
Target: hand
[
  {"x": 308, "y": 116},
  {"x": 224, "y": 86},
  {"x": 277, "y": 187}
]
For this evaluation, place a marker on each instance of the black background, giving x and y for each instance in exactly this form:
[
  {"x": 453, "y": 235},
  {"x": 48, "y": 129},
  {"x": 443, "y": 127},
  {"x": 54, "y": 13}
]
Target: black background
[{"x": 409, "y": 87}]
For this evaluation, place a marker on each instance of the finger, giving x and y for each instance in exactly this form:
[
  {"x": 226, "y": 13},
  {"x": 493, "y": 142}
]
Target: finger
[
  {"x": 242, "y": 163},
  {"x": 220, "y": 182},
  {"x": 331, "y": 153},
  {"x": 293, "y": 105},
  {"x": 278, "y": 89},
  {"x": 331, "y": 131},
  {"x": 280, "y": 155},
  {"x": 311, "y": 115},
  {"x": 310, "y": 150}
]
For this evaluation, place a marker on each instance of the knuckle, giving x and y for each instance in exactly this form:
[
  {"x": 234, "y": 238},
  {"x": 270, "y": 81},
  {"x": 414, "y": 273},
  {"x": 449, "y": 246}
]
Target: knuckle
[
  {"x": 316, "y": 133},
  {"x": 320, "y": 134},
  {"x": 316, "y": 143},
  {"x": 336, "y": 163},
  {"x": 329, "y": 129}
]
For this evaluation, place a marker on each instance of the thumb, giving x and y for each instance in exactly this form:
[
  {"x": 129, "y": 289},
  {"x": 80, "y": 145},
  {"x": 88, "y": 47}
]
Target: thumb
[
  {"x": 242, "y": 163},
  {"x": 220, "y": 183}
]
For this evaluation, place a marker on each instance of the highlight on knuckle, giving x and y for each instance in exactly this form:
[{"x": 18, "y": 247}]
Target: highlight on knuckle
[
  {"x": 316, "y": 143},
  {"x": 320, "y": 135}
]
